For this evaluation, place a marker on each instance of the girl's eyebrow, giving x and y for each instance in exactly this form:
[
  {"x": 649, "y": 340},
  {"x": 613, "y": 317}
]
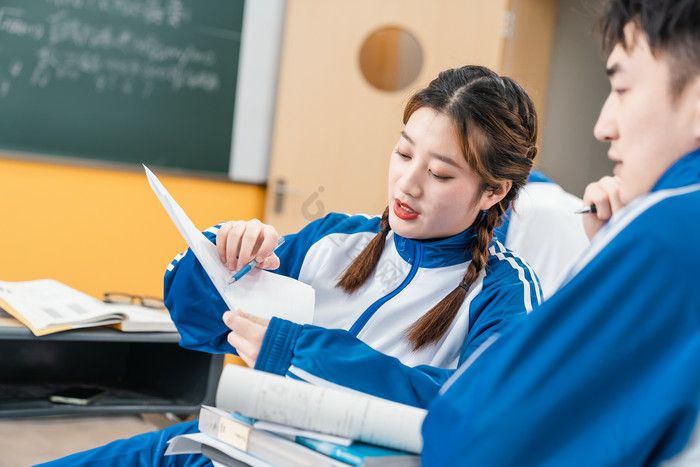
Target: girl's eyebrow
[{"x": 445, "y": 159}]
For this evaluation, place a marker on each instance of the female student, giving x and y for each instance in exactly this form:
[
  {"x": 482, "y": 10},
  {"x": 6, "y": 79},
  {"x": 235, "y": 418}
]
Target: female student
[
  {"x": 422, "y": 283},
  {"x": 401, "y": 299}
]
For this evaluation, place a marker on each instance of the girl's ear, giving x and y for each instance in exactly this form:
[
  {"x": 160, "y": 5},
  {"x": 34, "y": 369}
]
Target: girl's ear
[{"x": 489, "y": 198}]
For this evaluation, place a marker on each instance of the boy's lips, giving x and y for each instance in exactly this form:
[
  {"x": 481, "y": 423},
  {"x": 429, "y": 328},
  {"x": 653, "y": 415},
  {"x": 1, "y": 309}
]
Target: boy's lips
[{"x": 404, "y": 211}]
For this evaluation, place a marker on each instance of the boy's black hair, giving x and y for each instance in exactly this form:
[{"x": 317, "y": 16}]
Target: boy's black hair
[{"x": 671, "y": 27}]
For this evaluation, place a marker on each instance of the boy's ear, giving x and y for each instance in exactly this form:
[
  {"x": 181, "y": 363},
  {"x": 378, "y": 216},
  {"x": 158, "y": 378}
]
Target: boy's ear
[{"x": 489, "y": 198}]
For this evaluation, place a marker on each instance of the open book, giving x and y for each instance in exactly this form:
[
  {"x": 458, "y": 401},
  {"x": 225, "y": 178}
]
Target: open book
[
  {"x": 260, "y": 293},
  {"x": 340, "y": 412},
  {"x": 47, "y": 306}
]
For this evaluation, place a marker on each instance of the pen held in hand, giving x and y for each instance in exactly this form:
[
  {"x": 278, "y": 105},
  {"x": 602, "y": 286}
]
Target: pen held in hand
[
  {"x": 248, "y": 267},
  {"x": 587, "y": 210}
]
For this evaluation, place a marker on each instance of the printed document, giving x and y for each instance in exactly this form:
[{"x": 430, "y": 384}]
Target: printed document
[{"x": 260, "y": 293}]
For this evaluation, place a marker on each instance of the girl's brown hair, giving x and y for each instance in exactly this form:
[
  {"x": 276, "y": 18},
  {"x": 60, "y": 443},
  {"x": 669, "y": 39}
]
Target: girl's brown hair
[{"x": 497, "y": 125}]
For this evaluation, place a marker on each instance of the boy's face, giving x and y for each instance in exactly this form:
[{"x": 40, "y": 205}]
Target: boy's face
[{"x": 647, "y": 129}]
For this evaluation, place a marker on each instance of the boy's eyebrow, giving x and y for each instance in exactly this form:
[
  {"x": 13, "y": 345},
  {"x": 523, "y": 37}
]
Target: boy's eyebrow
[
  {"x": 445, "y": 159},
  {"x": 610, "y": 71}
]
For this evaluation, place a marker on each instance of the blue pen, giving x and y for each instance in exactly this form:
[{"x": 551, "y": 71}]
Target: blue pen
[{"x": 245, "y": 269}]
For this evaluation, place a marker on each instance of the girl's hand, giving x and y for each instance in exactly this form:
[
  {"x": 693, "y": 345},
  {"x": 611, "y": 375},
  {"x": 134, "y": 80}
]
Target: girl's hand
[
  {"x": 247, "y": 333},
  {"x": 238, "y": 242},
  {"x": 605, "y": 195}
]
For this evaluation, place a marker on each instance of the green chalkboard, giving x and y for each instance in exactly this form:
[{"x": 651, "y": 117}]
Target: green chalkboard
[{"x": 134, "y": 81}]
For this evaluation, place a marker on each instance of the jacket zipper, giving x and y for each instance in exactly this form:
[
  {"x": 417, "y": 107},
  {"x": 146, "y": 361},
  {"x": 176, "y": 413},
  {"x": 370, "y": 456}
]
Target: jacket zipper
[{"x": 369, "y": 312}]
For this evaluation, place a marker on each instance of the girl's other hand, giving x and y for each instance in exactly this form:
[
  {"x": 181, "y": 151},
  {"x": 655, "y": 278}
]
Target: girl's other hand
[{"x": 247, "y": 333}]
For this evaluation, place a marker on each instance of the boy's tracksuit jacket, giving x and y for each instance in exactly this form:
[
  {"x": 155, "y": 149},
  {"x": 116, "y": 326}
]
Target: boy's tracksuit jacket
[{"x": 606, "y": 371}]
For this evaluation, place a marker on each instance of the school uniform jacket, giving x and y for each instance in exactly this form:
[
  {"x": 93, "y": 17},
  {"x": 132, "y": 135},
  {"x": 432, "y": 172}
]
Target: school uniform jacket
[
  {"x": 358, "y": 340},
  {"x": 544, "y": 229},
  {"x": 606, "y": 371}
]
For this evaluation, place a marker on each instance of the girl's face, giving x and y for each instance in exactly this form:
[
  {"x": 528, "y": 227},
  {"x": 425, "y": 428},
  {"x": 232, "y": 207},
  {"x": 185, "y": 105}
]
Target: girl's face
[{"x": 432, "y": 191}]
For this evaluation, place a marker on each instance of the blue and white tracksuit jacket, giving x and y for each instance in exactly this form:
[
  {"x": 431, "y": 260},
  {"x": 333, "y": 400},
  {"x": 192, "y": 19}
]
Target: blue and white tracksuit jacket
[
  {"x": 358, "y": 340},
  {"x": 606, "y": 371}
]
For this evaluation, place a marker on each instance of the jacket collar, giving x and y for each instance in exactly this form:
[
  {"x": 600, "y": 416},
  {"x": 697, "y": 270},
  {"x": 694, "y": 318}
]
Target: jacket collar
[
  {"x": 436, "y": 253},
  {"x": 685, "y": 171}
]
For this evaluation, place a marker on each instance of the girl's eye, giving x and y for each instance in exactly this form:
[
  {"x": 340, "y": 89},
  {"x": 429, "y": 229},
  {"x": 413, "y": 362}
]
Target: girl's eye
[
  {"x": 439, "y": 177},
  {"x": 401, "y": 155},
  {"x": 619, "y": 92}
]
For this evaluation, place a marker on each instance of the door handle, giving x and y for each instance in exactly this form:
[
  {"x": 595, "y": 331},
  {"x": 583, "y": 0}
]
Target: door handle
[{"x": 281, "y": 189}]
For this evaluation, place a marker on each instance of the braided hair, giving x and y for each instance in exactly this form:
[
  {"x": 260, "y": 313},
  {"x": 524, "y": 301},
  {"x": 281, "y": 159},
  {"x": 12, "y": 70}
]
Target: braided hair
[{"x": 497, "y": 126}]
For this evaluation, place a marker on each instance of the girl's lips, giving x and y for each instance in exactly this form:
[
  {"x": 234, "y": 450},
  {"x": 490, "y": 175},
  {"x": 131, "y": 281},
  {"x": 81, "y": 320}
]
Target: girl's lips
[{"x": 404, "y": 211}]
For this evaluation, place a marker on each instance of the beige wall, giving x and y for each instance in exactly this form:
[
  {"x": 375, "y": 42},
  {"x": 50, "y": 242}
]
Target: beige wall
[
  {"x": 100, "y": 229},
  {"x": 577, "y": 88}
]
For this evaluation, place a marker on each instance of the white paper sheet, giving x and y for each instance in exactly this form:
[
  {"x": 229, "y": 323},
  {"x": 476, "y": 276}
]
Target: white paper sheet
[{"x": 260, "y": 293}]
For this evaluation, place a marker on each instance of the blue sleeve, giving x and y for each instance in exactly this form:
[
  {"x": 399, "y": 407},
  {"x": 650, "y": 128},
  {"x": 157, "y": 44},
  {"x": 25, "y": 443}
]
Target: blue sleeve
[
  {"x": 336, "y": 356},
  {"x": 510, "y": 290},
  {"x": 598, "y": 375},
  {"x": 196, "y": 306}
]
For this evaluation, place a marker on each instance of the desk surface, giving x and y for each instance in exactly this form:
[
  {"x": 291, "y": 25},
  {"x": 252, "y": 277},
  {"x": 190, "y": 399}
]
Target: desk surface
[{"x": 102, "y": 334}]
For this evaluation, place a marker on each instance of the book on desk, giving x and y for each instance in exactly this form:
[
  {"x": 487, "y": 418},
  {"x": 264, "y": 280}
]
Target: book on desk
[
  {"x": 314, "y": 420},
  {"x": 47, "y": 306}
]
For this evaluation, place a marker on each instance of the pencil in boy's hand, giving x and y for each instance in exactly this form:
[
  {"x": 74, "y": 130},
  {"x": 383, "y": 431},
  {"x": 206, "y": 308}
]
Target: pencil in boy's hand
[
  {"x": 248, "y": 267},
  {"x": 587, "y": 210}
]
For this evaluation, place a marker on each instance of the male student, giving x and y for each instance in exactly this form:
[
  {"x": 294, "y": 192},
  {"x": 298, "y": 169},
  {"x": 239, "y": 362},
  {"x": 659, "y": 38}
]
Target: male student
[{"x": 607, "y": 371}]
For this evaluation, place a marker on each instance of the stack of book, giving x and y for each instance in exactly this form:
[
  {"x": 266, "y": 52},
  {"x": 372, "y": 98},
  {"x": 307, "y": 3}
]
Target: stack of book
[{"x": 267, "y": 420}]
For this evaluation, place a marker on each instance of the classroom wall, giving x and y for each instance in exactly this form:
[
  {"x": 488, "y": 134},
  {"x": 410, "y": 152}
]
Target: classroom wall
[
  {"x": 102, "y": 229},
  {"x": 577, "y": 89}
]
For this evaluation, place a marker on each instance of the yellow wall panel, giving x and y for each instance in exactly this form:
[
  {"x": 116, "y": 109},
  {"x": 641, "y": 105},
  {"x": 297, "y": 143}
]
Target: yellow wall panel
[{"x": 100, "y": 229}]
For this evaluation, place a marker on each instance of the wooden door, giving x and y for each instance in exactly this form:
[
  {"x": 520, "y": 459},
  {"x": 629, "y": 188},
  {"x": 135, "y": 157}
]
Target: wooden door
[{"x": 333, "y": 131}]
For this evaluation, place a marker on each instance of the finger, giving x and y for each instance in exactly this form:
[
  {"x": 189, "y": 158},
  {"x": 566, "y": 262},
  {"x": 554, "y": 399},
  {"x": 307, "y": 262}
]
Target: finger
[
  {"x": 613, "y": 187},
  {"x": 227, "y": 318},
  {"x": 221, "y": 237},
  {"x": 244, "y": 349},
  {"x": 598, "y": 194},
  {"x": 246, "y": 336},
  {"x": 272, "y": 262},
  {"x": 268, "y": 244},
  {"x": 233, "y": 244},
  {"x": 250, "y": 241},
  {"x": 248, "y": 328},
  {"x": 256, "y": 319}
]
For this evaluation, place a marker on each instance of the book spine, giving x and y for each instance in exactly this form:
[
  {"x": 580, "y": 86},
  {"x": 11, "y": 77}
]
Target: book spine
[{"x": 208, "y": 423}]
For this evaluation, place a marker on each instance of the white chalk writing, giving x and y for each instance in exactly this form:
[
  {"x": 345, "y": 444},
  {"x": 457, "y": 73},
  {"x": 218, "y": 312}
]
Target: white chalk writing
[{"x": 115, "y": 56}]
